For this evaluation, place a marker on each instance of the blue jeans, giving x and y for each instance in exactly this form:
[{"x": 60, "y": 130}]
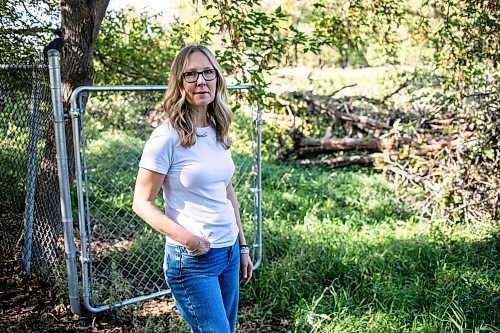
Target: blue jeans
[{"x": 205, "y": 287}]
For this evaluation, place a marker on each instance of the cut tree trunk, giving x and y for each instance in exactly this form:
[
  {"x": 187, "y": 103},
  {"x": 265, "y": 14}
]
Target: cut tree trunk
[
  {"x": 372, "y": 159},
  {"x": 309, "y": 146},
  {"x": 306, "y": 148},
  {"x": 336, "y": 144}
]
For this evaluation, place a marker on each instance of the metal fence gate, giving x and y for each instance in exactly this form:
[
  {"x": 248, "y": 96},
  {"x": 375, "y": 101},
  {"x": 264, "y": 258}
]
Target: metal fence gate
[{"x": 121, "y": 255}]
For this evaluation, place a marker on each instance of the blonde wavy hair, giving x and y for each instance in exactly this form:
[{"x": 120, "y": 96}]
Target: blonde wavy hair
[{"x": 177, "y": 109}]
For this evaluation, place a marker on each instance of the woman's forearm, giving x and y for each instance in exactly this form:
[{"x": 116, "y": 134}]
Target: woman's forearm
[
  {"x": 147, "y": 186},
  {"x": 153, "y": 216}
]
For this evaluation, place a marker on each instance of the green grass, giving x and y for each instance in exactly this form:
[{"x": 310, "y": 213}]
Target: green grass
[
  {"x": 15, "y": 157},
  {"x": 339, "y": 254}
]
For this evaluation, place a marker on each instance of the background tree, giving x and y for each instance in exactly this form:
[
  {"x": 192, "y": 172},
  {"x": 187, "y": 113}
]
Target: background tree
[
  {"x": 135, "y": 48},
  {"x": 26, "y": 27}
]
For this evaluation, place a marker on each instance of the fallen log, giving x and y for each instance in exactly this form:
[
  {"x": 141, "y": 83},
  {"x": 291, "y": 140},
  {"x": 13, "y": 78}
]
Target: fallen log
[
  {"x": 312, "y": 147},
  {"x": 337, "y": 144},
  {"x": 306, "y": 147},
  {"x": 376, "y": 159},
  {"x": 372, "y": 159},
  {"x": 363, "y": 121}
]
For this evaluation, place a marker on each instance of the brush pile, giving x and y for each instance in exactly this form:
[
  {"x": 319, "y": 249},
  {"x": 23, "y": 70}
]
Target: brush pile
[{"x": 442, "y": 155}]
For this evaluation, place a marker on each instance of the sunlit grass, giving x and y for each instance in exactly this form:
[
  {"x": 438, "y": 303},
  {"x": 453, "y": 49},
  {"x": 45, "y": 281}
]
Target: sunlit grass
[
  {"x": 370, "y": 82},
  {"x": 341, "y": 256}
]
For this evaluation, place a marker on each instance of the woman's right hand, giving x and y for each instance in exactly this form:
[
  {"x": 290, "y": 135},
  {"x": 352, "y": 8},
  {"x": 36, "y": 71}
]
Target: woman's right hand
[{"x": 202, "y": 245}]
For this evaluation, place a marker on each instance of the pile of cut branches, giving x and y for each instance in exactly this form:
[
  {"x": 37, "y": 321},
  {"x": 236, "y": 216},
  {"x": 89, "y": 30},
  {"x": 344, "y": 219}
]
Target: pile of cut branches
[
  {"x": 442, "y": 156},
  {"x": 358, "y": 130}
]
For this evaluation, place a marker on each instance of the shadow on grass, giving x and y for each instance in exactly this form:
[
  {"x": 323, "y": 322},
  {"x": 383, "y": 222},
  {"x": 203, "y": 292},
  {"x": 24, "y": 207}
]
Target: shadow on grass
[{"x": 418, "y": 284}]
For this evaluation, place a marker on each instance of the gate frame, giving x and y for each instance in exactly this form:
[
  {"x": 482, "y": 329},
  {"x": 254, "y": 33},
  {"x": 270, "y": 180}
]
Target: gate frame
[{"x": 76, "y": 113}]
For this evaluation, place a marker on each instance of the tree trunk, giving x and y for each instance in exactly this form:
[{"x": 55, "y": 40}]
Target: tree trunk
[
  {"x": 81, "y": 21},
  {"x": 350, "y": 144}
]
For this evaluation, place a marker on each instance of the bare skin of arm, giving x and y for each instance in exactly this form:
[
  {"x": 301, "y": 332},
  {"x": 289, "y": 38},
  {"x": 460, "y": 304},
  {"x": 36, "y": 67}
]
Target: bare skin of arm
[
  {"x": 147, "y": 186},
  {"x": 246, "y": 266}
]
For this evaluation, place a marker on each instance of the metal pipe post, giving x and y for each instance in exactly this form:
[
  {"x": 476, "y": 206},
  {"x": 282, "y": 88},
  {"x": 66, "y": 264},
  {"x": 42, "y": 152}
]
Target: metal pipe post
[
  {"x": 64, "y": 187},
  {"x": 260, "y": 121}
]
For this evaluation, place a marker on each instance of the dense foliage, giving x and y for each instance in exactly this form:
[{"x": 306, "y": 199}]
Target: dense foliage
[{"x": 134, "y": 48}]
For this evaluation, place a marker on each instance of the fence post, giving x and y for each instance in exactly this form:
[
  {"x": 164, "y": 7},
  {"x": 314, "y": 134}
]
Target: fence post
[
  {"x": 259, "y": 122},
  {"x": 64, "y": 187},
  {"x": 31, "y": 175}
]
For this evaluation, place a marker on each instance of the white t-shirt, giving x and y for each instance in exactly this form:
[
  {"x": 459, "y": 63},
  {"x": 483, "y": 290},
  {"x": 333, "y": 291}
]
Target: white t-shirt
[{"x": 195, "y": 184}]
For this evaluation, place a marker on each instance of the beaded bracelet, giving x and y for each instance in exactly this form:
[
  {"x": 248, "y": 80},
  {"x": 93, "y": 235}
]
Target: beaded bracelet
[{"x": 244, "y": 249}]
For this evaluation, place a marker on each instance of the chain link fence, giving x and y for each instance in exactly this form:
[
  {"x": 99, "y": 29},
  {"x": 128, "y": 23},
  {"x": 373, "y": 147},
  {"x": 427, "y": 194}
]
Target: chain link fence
[
  {"x": 122, "y": 256},
  {"x": 30, "y": 222}
]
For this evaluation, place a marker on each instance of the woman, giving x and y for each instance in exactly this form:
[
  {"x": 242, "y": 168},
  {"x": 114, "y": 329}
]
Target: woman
[{"x": 188, "y": 156}]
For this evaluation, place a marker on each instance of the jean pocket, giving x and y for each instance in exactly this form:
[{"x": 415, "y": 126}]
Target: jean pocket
[
  {"x": 166, "y": 259},
  {"x": 166, "y": 265},
  {"x": 195, "y": 263},
  {"x": 171, "y": 264}
]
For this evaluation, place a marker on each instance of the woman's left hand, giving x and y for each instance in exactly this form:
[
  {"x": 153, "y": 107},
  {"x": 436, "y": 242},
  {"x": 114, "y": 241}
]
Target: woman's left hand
[{"x": 246, "y": 268}]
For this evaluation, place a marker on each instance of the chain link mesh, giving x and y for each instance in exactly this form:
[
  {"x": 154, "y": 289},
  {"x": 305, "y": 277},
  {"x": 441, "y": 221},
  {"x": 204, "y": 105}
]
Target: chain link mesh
[
  {"x": 30, "y": 224},
  {"x": 125, "y": 254}
]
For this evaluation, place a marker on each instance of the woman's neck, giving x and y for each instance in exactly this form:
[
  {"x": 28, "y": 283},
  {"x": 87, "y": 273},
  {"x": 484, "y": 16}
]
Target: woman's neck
[{"x": 201, "y": 117}]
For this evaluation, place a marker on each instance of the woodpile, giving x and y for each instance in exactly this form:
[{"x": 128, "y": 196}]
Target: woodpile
[{"x": 359, "y": 133}]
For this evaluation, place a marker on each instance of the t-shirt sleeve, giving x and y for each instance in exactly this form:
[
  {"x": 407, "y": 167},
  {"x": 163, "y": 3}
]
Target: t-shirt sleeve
[{"x": 158, "y": 152}]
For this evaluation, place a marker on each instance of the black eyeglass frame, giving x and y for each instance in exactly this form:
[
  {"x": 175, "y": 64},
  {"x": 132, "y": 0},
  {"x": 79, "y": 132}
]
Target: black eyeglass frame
[{"x": 198, "y": 75}]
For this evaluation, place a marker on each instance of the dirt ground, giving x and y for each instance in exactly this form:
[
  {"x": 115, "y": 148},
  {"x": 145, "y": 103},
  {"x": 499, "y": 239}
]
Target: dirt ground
[{"x": 29, "y": 305}]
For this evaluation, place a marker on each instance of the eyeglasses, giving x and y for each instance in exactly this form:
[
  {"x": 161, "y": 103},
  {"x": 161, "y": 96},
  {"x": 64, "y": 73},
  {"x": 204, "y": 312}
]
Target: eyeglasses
[{"x": 192, "y": 77}]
